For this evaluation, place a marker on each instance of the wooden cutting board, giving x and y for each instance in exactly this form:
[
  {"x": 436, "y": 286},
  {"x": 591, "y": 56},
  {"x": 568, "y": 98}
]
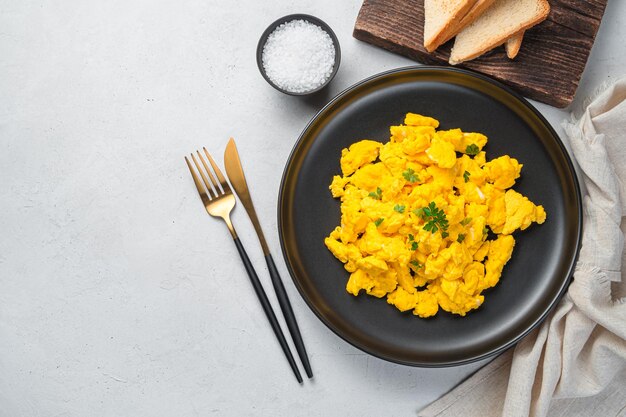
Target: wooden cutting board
[{"x": 547, "y": 68}]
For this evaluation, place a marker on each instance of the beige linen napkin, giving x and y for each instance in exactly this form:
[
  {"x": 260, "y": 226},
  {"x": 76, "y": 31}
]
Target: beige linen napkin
[{"x": 574, "y": 364}]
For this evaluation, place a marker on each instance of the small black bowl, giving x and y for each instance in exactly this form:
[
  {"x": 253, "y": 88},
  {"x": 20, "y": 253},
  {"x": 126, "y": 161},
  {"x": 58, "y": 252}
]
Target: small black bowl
[{"x": 289, "y": 18}]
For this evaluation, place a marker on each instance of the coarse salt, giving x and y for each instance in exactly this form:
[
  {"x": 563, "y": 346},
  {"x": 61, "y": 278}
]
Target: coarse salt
[{"x": 298, "y": 56}]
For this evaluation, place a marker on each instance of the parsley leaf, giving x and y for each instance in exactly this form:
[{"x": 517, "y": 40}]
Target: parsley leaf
[
  {"x": 472, "y": 149},
  {"x": 378, "y": 221},
  {"x": 435, "y": 219},
  {"x": 377, "y": 194},
  {"x": 444, "y": 234},
  {"x": 413, "y": 242},
  {"x": 466, "y": 221},
  {"x": 410, "y": 176},
  {"x": 399, "y": 208},
  {"x": 417, "y": 264},
  {"x": 419, "y": 212},
  {"x": 460, "y": 238},
  {"x": 466, "y": 176}
]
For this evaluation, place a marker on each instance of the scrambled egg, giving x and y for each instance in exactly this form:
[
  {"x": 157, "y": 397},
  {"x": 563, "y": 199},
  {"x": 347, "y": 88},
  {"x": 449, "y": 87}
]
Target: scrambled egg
[{"x": 415, "y": 218}]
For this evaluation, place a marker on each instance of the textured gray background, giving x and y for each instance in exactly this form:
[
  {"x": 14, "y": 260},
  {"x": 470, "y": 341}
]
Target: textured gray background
[{"x": 119, "y": 296}]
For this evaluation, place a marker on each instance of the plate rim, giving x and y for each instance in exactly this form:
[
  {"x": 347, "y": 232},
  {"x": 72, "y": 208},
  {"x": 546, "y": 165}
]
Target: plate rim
[{"x": 570, "y": 165}]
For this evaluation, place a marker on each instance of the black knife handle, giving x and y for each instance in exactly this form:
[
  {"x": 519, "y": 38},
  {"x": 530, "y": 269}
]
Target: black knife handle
[
  {"x": 290, "y": 318},
  {"x": 269, "y": 312}
]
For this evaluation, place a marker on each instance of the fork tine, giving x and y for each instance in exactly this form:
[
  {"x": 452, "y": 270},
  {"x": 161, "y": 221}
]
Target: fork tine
[
  {"x": 223, "y": 181},
  {"x": 203, "y": 196},
  {"x": 208, "y": 170},
  {"x": 204, "y": 178}
]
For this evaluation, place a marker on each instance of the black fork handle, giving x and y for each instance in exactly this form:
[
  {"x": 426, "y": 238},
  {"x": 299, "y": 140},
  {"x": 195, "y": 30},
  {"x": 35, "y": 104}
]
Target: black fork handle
[
  {"x": 290, "y": 318},
  {"x": 269, "y": 312}
]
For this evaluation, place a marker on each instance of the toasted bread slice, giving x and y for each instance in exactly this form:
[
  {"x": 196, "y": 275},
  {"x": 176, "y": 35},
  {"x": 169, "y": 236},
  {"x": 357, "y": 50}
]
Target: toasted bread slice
[
  {"x": 474, "y": 12},
  {"x": 513, "y": 44},
  {"x": 498, "y": 23},
  {"x": 439, "y": 16}
]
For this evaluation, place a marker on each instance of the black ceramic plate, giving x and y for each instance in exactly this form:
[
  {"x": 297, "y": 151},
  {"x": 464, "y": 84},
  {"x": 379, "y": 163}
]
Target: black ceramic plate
[{"x": 544, "y": 255}]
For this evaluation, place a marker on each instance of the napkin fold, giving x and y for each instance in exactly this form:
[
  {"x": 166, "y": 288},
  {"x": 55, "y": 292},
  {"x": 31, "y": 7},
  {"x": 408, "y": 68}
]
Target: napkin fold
[{"x": 574, "y": 364}]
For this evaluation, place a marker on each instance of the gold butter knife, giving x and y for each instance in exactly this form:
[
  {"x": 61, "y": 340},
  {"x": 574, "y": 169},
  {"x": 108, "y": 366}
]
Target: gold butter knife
[{"x": 237, "y": 178}]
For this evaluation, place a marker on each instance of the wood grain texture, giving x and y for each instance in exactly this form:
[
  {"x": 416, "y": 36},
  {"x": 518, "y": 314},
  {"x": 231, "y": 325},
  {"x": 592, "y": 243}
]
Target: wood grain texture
[{"x": 549, "y": 64}]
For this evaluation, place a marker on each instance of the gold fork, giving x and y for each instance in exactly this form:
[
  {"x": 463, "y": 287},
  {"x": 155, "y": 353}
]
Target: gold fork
[{"x": 219, "y": 201}]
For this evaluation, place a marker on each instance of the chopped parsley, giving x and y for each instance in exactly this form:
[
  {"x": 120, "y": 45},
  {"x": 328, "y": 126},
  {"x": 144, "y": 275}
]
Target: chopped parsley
[
  {"x": 399, "y": 208},
  {"x": 412, "y": 241},
  {"x": 460, "y": 238},
  {"x": 466, "y": 176},
  {"x": 472, "y": 149},
  {"x": 410, "y": 176},
  {"x": 435, "y": 219},
  {"x": 376, "y": 194},
  {"x": 417, "y": 264},
  {"x": 419, "y": 212},
  {"x": 485, "y": 230},
  {"x": 378, "y": 221},
  {"x": 444, "y": 234},
  {"x": 466, "y": 221}
]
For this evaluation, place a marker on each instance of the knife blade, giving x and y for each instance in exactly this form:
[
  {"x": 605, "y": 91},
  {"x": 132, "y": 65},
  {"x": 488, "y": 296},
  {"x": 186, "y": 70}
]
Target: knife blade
[{"x": 234, "y": 170}]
